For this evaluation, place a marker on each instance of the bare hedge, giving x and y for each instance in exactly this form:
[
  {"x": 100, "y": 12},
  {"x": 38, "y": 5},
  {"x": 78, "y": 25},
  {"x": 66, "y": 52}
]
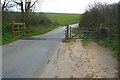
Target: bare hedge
[{"x": 101, "y": 15}]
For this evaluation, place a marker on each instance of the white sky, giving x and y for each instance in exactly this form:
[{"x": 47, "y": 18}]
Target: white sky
[{"x": 67, "y": 6}]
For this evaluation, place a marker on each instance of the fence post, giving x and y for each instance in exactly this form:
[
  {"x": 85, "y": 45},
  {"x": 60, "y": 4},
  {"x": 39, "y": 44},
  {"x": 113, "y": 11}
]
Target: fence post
[
  {"x": 67, "y": 32},
  {"x": 70, "y": 32}
]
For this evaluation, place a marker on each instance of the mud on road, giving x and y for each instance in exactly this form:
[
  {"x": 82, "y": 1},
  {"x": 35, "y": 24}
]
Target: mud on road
[{"x": 72, "y": 60}]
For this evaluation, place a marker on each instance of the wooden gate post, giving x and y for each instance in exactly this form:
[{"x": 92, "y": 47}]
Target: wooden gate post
[
  {"x": 67, "y": 32},
  {"x": 70, "y": 32}
]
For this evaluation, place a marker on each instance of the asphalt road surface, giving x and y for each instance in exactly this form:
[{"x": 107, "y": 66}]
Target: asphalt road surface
[{"x": 27, "y": 58}]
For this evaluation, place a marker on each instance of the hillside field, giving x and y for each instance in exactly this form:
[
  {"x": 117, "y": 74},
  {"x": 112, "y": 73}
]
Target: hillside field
[{"x": 64, "y": 18}]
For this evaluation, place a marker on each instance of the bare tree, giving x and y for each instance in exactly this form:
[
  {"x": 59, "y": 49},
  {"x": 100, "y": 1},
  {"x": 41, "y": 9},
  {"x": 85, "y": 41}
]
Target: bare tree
[
  {"x": 7, "y": 4},
  {"x": 23, "y": 5}
]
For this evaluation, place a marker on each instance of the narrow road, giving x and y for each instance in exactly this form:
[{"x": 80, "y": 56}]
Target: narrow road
[{"x": 27, "y": 58}]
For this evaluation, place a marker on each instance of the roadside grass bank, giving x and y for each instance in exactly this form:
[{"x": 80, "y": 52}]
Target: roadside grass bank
[
  {"x": 112, "y": 44},
  {"x": 8, "y": 37}
]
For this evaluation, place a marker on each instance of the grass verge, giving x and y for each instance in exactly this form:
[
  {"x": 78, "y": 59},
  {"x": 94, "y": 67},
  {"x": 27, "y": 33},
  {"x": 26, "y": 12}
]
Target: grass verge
[
  {"x": 68, "y": 41},
  {"x": 112, "y": 44},
  {"x": 7, "y": 37}
]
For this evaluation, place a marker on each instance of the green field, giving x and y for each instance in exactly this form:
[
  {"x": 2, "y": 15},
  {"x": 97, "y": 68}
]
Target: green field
[{"x": 64, "y": 18}]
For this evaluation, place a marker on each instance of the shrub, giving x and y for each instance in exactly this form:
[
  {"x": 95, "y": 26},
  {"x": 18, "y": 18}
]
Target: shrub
[
  {"x": 37, "y": 19},
  {"x": 101, "y": 15},
  {"x": 34, "y": 19},
  {"x": 104, "y": 18}
]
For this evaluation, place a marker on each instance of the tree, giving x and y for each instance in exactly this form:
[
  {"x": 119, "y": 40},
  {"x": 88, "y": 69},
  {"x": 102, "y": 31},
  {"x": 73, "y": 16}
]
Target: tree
[
  {"x": 24, "y": 5},
  {"x": 7, "y": 5}
]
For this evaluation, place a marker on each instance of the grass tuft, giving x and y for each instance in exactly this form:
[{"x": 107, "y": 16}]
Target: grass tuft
[
  {"x": 68, "y": 41},
  {"x": 85, "y": 42}
]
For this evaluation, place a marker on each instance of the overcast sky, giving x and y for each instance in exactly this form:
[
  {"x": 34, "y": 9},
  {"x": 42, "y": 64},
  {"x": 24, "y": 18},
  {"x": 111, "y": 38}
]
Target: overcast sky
[{"x": 67, "y": 6}]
